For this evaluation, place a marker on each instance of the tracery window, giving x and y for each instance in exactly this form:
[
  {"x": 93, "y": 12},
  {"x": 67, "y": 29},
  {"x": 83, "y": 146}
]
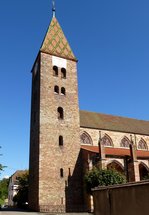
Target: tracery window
[
  {"x": 107, "y": 141},
  {"x": 125, "y": 142},
  {"x": 142, "y": 144},
  {"x": 86, "y": 139}
]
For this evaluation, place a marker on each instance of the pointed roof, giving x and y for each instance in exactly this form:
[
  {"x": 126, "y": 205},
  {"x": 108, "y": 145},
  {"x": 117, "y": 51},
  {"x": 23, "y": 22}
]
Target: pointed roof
[{"x": 55, "y": 42}]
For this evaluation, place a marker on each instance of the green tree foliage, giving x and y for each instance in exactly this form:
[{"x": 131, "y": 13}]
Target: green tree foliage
[
  {"x": 98, "y": 177},
  {"x": 3, "y": 190},
  {"x": 1, "y": 167},
  {"x": 22, "y": 196}
]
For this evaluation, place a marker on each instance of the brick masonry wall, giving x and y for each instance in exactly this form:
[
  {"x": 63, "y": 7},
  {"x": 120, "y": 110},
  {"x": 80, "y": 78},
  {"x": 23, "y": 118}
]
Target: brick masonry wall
[
  {"x": 56, "y": 193},
  {"x": 34, "y": 138}
]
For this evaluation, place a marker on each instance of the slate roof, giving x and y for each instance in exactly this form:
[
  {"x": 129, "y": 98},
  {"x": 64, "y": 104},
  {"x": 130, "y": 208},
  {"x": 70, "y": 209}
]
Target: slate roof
[
  {"x": 113, "y": 123},
  {"x": 55, "y": 42}
]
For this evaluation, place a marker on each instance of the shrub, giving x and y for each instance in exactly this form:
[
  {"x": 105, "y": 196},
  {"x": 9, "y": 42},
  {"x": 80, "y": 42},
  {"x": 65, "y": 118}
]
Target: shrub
[{"x": 98, "y": 177}]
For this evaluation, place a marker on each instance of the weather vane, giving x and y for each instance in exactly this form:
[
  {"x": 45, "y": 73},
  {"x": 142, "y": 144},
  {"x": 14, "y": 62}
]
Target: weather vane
[{"x": 53, "y": 7}]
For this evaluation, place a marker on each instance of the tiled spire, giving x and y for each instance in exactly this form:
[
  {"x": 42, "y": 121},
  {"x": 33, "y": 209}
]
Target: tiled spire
[{"x": 55, "y": 42}]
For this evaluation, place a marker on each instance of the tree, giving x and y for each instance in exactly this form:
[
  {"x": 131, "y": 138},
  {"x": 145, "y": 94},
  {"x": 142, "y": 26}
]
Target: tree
[
  {"x": 1, "y": 166},
  {"x": 3, "y": 190},
  {"x": 98, "y": 177},
  {"x": 22, "y": 196}
]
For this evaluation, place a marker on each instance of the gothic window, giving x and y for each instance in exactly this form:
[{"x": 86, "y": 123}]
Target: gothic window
[
  {"x": 61, "y": 173},
  {"x": 60, "y": 112},
  {"x": 115, "y": 165},
  {"x": 143, "y": 170},
  {"x": 63, "y": 91},
  {"x": 142, "y": 145},
  {"x": 125, "y": 142},
  {"x": 63, "y": 73},
  {"x": 86, "y": 139},
  {"x": 55, "y": 70},
  {"x": 61, "y": 141},
  {"x": 107, "y": 141},
  {"x": 56, "y": 89}
]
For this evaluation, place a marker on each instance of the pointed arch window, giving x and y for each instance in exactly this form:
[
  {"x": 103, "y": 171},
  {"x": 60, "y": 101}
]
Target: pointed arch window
[
  {"x": 107, "y": 141},
  {"x": 55, "y": 70},
  {"x": 86, "y": 139},
  {"x": 116, "y": 165},
  {"x": 142, "y": 144},
  {"x": 63, "y": 91},
  {"x": 60, "y": 113},
  {"x": 63, "y": 73},
  {"x": 125, "y": 142},
  {"x": 56, "y": 89}
]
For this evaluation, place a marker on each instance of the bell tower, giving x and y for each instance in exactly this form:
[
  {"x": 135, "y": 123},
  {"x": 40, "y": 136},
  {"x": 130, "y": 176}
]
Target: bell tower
[{"x": 55, "y": 167}]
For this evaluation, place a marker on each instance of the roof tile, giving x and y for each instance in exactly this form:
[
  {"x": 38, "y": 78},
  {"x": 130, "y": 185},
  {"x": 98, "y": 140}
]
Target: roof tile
[{"x": 55, "y": 42}]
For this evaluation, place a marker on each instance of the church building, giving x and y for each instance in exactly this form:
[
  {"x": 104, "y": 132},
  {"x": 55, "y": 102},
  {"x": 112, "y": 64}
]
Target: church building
[{"x": 65, "y": 142}]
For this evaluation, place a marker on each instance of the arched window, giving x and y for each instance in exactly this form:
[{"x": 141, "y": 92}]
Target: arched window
[
  {"x": 60, "y": 113},
  {"x": 107, "y": 141},
  {"x": 56, "y": 89},
  {"x": 61, "y": 173},
  {"x": 55, "y": 70},
  {"x": 143, "y": 170},
  {"x": 125, "y": 142},
  {"x": 115, "y": 165},
  {"x": 63, "y": 91},
  {"x": 63, "y": 73},
  {"x": 86, "y": 139},
  {"x": 142, "y": 144},
  {"x": 61, "y": 141}
]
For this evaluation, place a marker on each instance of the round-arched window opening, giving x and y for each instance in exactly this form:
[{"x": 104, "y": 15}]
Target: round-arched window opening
[
  {"x": 56, "y": 89},
  {"x": 61, "y": 142},
  {"x": 63, "y": 73},
  {"x": 60, "y": 112},
  {"x": 55, "y": 70},
  {"x": 63, "y": 91}
]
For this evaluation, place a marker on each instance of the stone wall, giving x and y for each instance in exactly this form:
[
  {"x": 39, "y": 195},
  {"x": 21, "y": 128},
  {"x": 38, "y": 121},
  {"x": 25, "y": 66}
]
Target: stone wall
[{"x": 116, "y": 138}]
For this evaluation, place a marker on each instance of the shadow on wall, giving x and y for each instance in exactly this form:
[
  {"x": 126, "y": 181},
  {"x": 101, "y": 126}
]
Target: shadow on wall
[{"x": 74, "y": 189}]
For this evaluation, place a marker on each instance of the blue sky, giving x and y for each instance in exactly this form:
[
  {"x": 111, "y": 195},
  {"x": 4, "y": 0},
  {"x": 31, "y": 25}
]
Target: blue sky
[{"x": 109, "y": 38}]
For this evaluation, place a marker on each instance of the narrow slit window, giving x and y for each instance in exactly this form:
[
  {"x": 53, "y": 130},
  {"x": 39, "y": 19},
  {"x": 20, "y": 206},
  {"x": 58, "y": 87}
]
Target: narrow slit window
[
  {"x": 55, "y": 70},
  {"x": 61, "y": 173},
  {"x": 61, "y": 141}
]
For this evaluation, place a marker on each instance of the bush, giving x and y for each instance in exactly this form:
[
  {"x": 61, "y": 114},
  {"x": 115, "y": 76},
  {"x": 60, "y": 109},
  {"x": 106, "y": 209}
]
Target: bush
[
  {"x": 98, "y": 177},
  {"x": 21, "y": 198}
]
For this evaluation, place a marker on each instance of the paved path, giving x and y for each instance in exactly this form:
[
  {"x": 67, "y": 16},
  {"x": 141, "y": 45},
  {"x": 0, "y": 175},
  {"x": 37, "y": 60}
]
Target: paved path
[
  {"x": 14, "y": 212},
  {"x": 10, "y": 212}
]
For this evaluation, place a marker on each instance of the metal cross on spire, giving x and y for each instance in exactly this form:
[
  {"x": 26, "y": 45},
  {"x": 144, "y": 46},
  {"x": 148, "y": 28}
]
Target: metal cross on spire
[{"x": 53, "y": 8}]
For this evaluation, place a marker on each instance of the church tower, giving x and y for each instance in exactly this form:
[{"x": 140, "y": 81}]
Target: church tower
[{"x": 55, "y": 170}]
